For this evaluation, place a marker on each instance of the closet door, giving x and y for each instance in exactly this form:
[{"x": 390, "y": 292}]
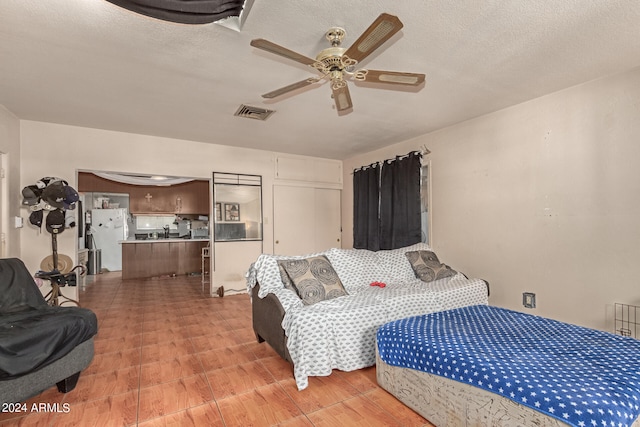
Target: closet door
[
  {"x": 328, "y": 224},
  {"x": 305, "y": 220}
]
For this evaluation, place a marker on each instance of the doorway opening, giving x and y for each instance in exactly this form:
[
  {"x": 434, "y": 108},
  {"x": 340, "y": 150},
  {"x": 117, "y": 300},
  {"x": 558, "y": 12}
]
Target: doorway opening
[{"x": 127, "y": 214}]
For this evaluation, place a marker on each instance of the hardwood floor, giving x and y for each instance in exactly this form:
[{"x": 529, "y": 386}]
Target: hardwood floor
[{"x": 165, "y": 355}]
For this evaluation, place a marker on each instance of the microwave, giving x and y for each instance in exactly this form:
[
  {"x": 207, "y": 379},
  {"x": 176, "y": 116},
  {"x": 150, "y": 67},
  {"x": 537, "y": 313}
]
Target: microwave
[{"x": 199, "y": 233}]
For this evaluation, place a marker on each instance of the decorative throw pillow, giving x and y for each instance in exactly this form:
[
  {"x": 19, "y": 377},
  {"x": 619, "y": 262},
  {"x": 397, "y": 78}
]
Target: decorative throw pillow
[
  {"x": 286, "y": 281},
  {"x": 314, "y": 278},
  {"x": 428, "y": 267}
]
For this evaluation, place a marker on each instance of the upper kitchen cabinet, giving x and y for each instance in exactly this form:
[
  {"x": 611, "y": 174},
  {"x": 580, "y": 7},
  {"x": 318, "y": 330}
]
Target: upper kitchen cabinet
[
  {"x": 196, "y": 198},
  {"x": 191, "y": 197}
]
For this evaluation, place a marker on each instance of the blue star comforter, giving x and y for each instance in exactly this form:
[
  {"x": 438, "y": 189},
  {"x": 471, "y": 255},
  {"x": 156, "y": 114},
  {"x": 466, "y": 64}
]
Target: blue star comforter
[{"x": 580, "y": 376}]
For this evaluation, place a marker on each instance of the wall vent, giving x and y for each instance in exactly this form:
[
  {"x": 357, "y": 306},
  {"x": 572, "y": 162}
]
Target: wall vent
[{"x": 253, "y": 112}]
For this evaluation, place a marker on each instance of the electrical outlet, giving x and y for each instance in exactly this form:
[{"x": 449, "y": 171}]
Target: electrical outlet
[{"x": 529, "y": 299}]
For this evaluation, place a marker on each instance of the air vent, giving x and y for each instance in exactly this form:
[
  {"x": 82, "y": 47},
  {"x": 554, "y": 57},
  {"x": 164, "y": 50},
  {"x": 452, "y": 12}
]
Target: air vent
[{"x": 253, "y": 112}]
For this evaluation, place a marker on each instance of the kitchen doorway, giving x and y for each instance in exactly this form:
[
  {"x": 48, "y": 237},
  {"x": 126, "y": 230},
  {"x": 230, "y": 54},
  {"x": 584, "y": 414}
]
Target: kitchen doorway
[{"x": 155, "y": 210}]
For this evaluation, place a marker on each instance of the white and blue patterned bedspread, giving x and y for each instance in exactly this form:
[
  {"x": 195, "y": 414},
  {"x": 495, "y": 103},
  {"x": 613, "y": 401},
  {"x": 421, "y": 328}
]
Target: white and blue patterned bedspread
[
  {"x": 340, "y": 333},
  {"x": 580, "y": 376}
]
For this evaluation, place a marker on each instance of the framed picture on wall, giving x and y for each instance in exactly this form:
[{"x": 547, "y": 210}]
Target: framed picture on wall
[
  {"x": 231, "y": 212},
  {"x": 218, "y": 211}
]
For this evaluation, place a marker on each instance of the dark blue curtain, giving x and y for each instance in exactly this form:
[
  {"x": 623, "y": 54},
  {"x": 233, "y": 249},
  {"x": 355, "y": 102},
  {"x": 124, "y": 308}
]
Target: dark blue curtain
[
  {"x": 386, "y": 211},
  {"x": 366, "y": 198},
  {"x": 184, "y": 11},
  {"x": 400, "y": 223}
]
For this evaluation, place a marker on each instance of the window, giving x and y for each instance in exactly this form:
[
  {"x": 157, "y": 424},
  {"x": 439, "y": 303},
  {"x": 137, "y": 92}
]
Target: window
[
  {"x": 156, "y": 222},
  {"x": 386, "y": 198},
  {"x": 238, "y": 207}
]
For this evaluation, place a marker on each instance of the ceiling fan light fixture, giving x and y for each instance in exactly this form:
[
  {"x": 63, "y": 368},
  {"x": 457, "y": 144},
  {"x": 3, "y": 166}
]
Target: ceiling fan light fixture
[{"x": 336, "y": 80}]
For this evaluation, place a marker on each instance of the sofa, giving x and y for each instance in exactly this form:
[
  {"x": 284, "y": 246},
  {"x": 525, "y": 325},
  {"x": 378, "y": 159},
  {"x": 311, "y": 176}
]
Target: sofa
[
  {"x": 318, "y": 330},
  {"x": 40, "y": 345}
]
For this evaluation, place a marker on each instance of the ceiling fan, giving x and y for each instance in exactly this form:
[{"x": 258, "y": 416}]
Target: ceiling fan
[{"x": 337, "y": 64}]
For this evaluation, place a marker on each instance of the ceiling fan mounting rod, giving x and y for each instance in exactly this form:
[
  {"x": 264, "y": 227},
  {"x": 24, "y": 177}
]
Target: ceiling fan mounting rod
[{"x": 335, "y": 35}]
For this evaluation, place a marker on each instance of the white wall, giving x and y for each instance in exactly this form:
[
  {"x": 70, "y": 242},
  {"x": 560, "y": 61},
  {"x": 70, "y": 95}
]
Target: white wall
[
  {"x": 60, "y": 150},
  {"x": 541, "y": 197},
  {"x": 10, "y": 148}
]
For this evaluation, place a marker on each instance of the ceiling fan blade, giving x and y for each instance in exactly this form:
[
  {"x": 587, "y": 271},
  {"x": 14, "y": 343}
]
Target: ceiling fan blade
[
  {"x": 342, "y": 98},
  {"x": 382, "y": 29},
  {"x": 289, "y": 88},
  {"x": 282, "y": 51},
  {"x": 393, "y": 77}
]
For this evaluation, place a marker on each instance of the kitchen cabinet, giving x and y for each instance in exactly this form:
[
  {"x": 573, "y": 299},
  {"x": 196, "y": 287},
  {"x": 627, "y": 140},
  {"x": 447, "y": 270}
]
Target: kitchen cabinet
[
  {"x": 161, "y": 258},
  {"x": 150, "y": 200},
  {"x": 195, "y": 198},
  {"x": 188, "y": 198}
]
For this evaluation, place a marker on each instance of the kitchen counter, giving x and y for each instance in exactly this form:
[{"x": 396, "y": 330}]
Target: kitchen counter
[
  {"x": 169, "y": 240},
  {"x": 161, "y": 257}
]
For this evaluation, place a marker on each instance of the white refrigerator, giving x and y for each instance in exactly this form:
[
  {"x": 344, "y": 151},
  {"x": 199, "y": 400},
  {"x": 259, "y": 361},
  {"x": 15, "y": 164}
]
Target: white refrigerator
[{"x": 109, "y": 227}]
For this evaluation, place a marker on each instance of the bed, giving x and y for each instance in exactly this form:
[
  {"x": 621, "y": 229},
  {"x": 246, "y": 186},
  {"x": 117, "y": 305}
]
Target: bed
[{"x": 483, "y": 365}]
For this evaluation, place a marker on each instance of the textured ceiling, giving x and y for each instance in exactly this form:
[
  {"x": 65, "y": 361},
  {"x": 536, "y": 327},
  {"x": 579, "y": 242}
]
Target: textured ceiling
[{"x": 90, "y": 63}]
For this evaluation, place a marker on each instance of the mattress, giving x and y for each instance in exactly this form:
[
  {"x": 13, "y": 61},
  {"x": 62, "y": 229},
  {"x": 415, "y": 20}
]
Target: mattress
[{"x": 484, "y": 365}]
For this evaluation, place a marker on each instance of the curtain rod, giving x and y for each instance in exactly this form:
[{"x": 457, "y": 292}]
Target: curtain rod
[{"x": 382, "y": 162}]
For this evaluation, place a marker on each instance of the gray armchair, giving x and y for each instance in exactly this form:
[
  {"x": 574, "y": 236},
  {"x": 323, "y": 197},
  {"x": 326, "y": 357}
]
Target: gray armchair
[{"x": 40, "y": 345}]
